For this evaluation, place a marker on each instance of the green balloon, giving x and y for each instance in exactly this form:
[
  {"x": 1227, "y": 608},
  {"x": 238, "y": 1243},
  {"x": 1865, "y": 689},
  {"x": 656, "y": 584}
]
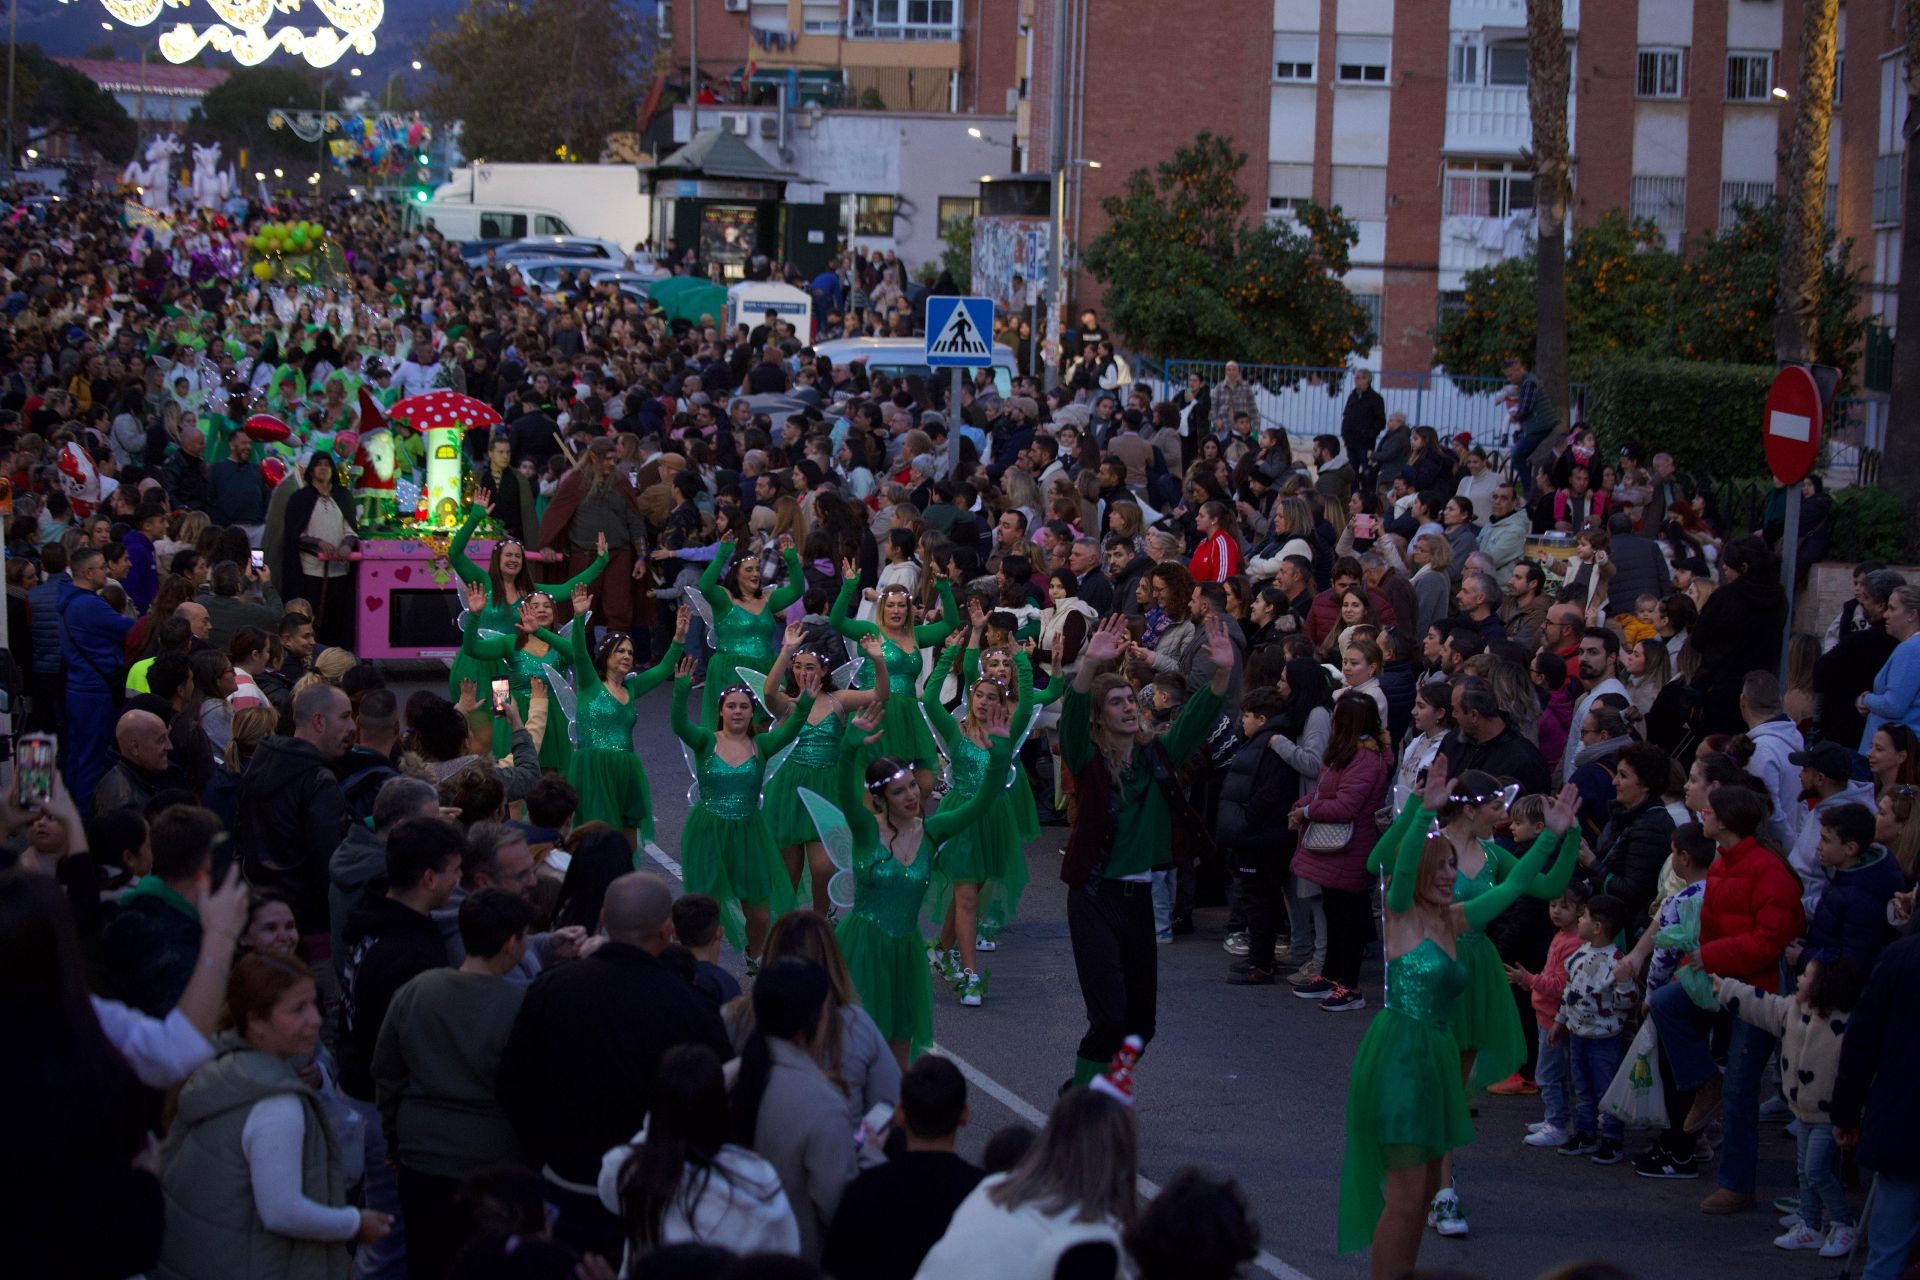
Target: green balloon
[{"x": 299, "y": 238}]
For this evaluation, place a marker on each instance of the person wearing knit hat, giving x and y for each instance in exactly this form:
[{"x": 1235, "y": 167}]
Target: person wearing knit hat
[{"x": 1026, "y": 406}]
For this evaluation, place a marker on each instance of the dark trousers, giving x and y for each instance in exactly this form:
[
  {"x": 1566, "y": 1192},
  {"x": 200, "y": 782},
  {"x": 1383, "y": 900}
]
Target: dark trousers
[
  {"x": 616, "y": 602},
  {"x": 1259, "y": 877},
  {"x": 1349, "y": 930},
  {"x": 47, "y": 691},
  {"x": 335, "y": 607},
  {"x": 1111, "y": 925},
  {"x": 1519, "y": 455},
  {"x": 434, "y": 1233}
]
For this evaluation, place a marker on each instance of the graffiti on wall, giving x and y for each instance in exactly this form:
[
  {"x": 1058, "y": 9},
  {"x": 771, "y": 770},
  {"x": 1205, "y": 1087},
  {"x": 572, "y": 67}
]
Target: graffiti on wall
[{"x": 1004, "y": 247}]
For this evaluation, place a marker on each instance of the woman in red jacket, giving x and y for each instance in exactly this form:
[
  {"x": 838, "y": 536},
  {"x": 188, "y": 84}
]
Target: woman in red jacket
[
  {"x": 1353, "y": 781},
  {"x": 1750, "y": 913},
  {"x": 1218, "y": 556}
]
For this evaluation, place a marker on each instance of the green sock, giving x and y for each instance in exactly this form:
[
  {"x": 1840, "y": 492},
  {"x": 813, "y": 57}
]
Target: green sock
[{"x": 1084, "y": 1070}]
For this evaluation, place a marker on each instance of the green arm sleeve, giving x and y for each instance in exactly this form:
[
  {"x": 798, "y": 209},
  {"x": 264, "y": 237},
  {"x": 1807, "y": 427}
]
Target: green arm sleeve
[
  {"x": 933, "y": 633},
  {"x": 552, "y": 640},
  {"x": 1551, "y": 882},
  {"x": 1503, "y": 895},
  {"x": 701, "y": 740},
  {"x": 467, "y": 570},
  {"x": 944, "y": 725},
  {"x": 584, "y": 578},
  {"x": 1386, "y": 849},
  {"x": 577, "y": 645},
  {"x": 970, "y": 665},
  {"x": 641, "y": 683},
  {"x": 853, "y": 797},
  {"x": 783, "y": 597},
  {"x": 787, "y": 730},
  {"x": 1411, "y": 829},
  {"x": 710, "y": 580},
  {"x": 838, "y": 616},
  {"x": 953, "y": 817}
]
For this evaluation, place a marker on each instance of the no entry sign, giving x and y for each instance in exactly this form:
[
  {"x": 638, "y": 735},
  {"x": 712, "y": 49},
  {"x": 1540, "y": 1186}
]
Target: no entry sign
[{"x": 1793, "y": 423}]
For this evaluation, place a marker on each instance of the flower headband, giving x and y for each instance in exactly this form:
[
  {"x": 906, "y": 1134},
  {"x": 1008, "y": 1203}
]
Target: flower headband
[
  {"x": 1505, "y": 795},
  {"x": 877, "y": 787}
]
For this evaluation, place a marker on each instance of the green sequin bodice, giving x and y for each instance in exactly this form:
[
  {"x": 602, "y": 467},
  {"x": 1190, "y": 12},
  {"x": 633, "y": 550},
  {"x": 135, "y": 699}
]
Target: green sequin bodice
[
  {"x": 969, "y": 764},
  {"x": 903, "y": 670},
  {"x": 1467, "y": 888},
  {"x": 1423, "y": 984},
  {"x": 746, "y": 635},
  {"x": 728, "y": 790},
  {"x": 524, "y": 668},
  {"x": 818, "y": 746},
  {"x": 889, "y": 894},
  {"x": 606, "y": 724}
]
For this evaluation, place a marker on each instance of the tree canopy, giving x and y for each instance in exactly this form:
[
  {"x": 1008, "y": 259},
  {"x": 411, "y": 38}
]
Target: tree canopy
[
  {"x": 1189, "y": 274},
  {"x": 583, "y": 85},
  {"x": 234, "y": 112},
  {"x": 1628, "y": 295},
  {"x": 54, "y": 96}
]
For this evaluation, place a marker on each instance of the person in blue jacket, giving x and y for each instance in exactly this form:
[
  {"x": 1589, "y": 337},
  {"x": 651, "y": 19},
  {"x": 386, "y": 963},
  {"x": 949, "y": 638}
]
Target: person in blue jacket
[
  {"x": 143, "y": 578},
  {"x": 93, "y": 643},
  {"x": 1876, "y": 1109},
  {"x": 1862, "y": 878}
]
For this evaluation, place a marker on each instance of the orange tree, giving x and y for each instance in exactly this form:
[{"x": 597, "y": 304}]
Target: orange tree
[{"x": 1189, "y": 274}]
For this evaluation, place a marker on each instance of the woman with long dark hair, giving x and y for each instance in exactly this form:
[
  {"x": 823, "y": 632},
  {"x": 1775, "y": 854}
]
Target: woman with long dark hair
[
  {"x": 606, "y": 771},
  {"x": 599, "y": 856},
  {"x": 317, "y": 537},
  {"x": 682, "y": 1182},
  {"x": 746, "y": 618},
  {"x": 904, "y": 736}
]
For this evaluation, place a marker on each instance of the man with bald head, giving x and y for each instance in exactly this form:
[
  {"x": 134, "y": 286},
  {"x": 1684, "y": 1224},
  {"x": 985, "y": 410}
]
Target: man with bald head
[
  {"x": 199, "y": 622},
  {"x": 577, "y": 1075},
  {"x": 140, "y": 770}
]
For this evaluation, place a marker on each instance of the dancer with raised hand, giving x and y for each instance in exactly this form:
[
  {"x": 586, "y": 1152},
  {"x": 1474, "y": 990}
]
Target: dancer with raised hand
[
  {"x": 1123, "y": 830},
  {"x": 981, "y": 870},
  {"x": 1486, "y": 1024},
  {"x": 814, "y": 762},
  {"x": 892, "y": 848},
  {"x": 539, "y": 675},
  {"x": 904, "y": 737},
  {"x": 726, "y": 851},
  {"x": 1406, "y": 1100},
  {"x": 746, "y": 617},
  {"x": 489, "y": 635},
  {"x": 1011, "y": 665},
  {"x": 606, "y": 771}
]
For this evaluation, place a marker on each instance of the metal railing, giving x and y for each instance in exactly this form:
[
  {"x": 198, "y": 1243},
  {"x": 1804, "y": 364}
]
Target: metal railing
[{"x": 1305, "y": 401}]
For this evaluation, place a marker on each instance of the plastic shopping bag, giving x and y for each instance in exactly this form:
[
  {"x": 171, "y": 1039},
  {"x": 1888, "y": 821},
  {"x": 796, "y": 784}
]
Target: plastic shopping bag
[{"x": 1635, "y": 1097}]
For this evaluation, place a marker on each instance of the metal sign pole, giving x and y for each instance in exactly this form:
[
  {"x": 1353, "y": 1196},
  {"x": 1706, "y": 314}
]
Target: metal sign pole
[
  {"x": 953, "y": 425},
  {"x": 1789, "y": 570}
]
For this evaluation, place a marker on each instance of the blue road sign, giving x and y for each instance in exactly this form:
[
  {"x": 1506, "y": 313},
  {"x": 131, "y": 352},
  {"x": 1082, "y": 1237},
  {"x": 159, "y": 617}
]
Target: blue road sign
[{"x": 959, "y": 333}]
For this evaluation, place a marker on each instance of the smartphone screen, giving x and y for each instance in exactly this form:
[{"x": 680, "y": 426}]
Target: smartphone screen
[
  {"x": 258, "y": 558},
  {"x": 499, "y": 697},
  {"x": 37, "y": 754}
]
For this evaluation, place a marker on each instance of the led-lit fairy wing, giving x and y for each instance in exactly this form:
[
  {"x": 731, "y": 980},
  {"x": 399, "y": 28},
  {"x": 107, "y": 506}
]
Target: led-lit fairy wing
[
  {"x": 774, "y": 762},
  {"x": 837, "y": 836},
  {"x": 756, "y": 681},
  {"x": 561, "y": 691},
  {"x": 701, "y": 610},
  {"x": 847, "y": 672},
  {"x": 693, "y": 771}
]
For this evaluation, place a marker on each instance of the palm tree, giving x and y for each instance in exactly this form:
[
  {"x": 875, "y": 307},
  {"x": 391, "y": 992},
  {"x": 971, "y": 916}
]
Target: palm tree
[{"x": 1547, "y": 74}]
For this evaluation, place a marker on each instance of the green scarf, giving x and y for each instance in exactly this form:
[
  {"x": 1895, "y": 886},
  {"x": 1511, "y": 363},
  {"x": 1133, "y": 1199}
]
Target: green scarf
[{"x": 155, "y": 887}]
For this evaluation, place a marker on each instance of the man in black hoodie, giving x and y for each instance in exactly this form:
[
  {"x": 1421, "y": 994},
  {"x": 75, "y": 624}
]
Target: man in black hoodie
[
  {"x": 391, "y": 941},
  {"x": 292, "y": 814},
  {"x": 1126, "y": 567}
]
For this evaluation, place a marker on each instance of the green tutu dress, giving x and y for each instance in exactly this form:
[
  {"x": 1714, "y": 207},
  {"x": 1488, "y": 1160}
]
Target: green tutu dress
[
  {"x": 814, "y": 764},
  {"x": 1026, "y": 810},
  {"x": 491, "y": 637},
  {"x": 903, "y": 735},
  {"x": 726, "y": 851},
  {"x": 1405, "y": 1104},
  {"x": 549, "y": 668},
  {"x": 880, "y": 938},
  {"x": 606, "y": 771},
  {"x": 740, "y": 636},
  {"x": 988, "y": 851}
]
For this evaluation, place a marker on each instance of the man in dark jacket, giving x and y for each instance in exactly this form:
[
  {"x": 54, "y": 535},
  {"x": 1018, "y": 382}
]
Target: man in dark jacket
[
  {"x": 1125, "y": 567},
  {"x": 237, "y": 492},
  {"x": 1362, "y": 420},
  {"x": 576, "y": 1077},
  {"x": 1876, "y": 1108},
  {"x": 140, "y": 770},
  {"x": 1090, "y": 584},
  {"x": 292, "y": 815},
  {"x": 1844, "y": 672},
  {"x": 92, "y": 644},
  {"x": 151, "y": 947},
  {"x": 228, "y": 610},
  {"x": 45, "y": 684},
  {"x": 1483, "y": 739},
  {"x": 185, "y": 475},
  {"x": 1258, "y": 790},
  {"x": 1638, "y": 567}
]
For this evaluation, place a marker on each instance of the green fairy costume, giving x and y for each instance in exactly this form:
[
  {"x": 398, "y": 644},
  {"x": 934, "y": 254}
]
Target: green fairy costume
[
  {"x": 880, "y": 937},
  {"x": 553, "y": 671},
  {"x": 606, "y": 771},
  {"x": 814, "y": 764},
  {"x": 742, "y": 637},
  {"x": 905, "y": 737},
  {"x": 1405, "y": 1103},
  {"x": 1486, "y": 1021},
  {"x": 1026, "y": 811},
  {"x": 726, "y": 850},
  {"x": 988, "y": 851},
  {"x": 490, "y": 637}
]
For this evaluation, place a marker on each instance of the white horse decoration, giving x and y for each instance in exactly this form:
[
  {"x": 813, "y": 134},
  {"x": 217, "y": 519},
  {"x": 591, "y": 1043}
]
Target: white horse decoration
[
  {"x": 155, "y": 177},
  {"x": 211, "y": 187}
]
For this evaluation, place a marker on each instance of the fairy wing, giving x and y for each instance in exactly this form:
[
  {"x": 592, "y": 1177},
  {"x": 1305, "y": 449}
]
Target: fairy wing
[
  {"x": 837, "y": 836},
  {"x": 847, "y": 672},
  {"x": 693, "y": 770},
  {"x": 774, "y": 762},
  {"x": 756, "y": 681},
  {"x": 933, "y": 731},
  {"x": 701, "y": 610},
  {"x": 560, "y": 688},
  {"x": 1013, "y": 770}
]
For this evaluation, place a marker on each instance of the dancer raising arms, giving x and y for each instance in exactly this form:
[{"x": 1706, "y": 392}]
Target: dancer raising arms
[
  {"x": 606, "y": 771},
  {"x": 1009, "y": 664},
  {"x": 904, "y": 737},
  {"x": 985, "y": 855},
  {"x": 814, "y": 762},
  {"x": 725, "y": 849},
  {"x": 893, "y": 852},
  {"x": 491, "y": 634},
  {"x": 1406, "y": 1103},
  {"x": 540, "y": 664},
  {"x": 746, "y": 618}
]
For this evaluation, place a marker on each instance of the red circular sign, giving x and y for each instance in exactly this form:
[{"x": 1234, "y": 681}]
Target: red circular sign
[{"x": 1791, "y": 427}]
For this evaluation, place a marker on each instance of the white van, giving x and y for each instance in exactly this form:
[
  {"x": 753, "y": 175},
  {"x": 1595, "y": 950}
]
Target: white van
[
  {"x": 901, "y": 357},
  {"x": 459, "y": 221}
]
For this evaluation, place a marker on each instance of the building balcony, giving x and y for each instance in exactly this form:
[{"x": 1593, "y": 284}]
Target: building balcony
[
  {"x": 1468, "y": 243},
  {"x": 1492, "y": 120},
  {"x": 1477, "y": 15}
]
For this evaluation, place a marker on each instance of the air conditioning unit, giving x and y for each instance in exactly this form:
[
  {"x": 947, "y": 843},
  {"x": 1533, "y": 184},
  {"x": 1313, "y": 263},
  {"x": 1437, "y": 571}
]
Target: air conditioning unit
[
  {"x": 736, "y": 124},
  {"x": 769, "y": 127},
  {"x": 737, "y": 6}
]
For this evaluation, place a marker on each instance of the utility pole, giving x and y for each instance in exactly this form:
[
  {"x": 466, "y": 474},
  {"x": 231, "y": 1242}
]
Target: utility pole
[
  {"x": 1057, "y": 189},
  {"x": 693, "y": 69},
  {"x": 13, "y": 18}
]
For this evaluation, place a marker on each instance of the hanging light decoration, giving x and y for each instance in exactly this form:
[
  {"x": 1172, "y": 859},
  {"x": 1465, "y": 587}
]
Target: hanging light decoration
[{"x": 243, "y": 33}]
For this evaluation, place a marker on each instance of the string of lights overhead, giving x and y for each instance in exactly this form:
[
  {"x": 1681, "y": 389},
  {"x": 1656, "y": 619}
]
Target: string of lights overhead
[{"x": 243, "y": 33}]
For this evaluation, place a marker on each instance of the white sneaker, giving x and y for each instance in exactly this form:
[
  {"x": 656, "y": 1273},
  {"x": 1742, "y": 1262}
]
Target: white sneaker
[
  {"x": 1546, "y": 1137},
  {"x": 1800, "y": 1236},
  {"x": 985, "y": 944},
  {"x": 1840, "y": 1241},
  {"x": 972, "y": 990},
  {"x": 1447, "y": 1216},
  {"x": 1536, "y": 1126}
]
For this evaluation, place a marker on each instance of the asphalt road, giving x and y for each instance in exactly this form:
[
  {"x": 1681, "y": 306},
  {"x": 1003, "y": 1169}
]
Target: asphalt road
[{"x": 1253, "y": 1081}]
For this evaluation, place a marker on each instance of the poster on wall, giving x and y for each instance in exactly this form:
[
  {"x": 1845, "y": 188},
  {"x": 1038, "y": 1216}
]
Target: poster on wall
[
  {"x": 728, "y": 234},
  {"x": 1007, "y": 248}
]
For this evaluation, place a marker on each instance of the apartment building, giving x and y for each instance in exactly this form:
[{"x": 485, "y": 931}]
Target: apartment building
[{"x": 1412, "y": 115}]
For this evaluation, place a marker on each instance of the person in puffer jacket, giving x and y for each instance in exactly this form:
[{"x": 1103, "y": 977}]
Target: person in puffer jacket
[
  {"x": 1351, "y": 786},
  {"x": 1862, "y": 878}
]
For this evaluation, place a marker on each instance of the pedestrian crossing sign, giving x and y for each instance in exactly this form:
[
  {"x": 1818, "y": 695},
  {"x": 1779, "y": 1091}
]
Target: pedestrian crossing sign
[{"x": 959, "y": 333}]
